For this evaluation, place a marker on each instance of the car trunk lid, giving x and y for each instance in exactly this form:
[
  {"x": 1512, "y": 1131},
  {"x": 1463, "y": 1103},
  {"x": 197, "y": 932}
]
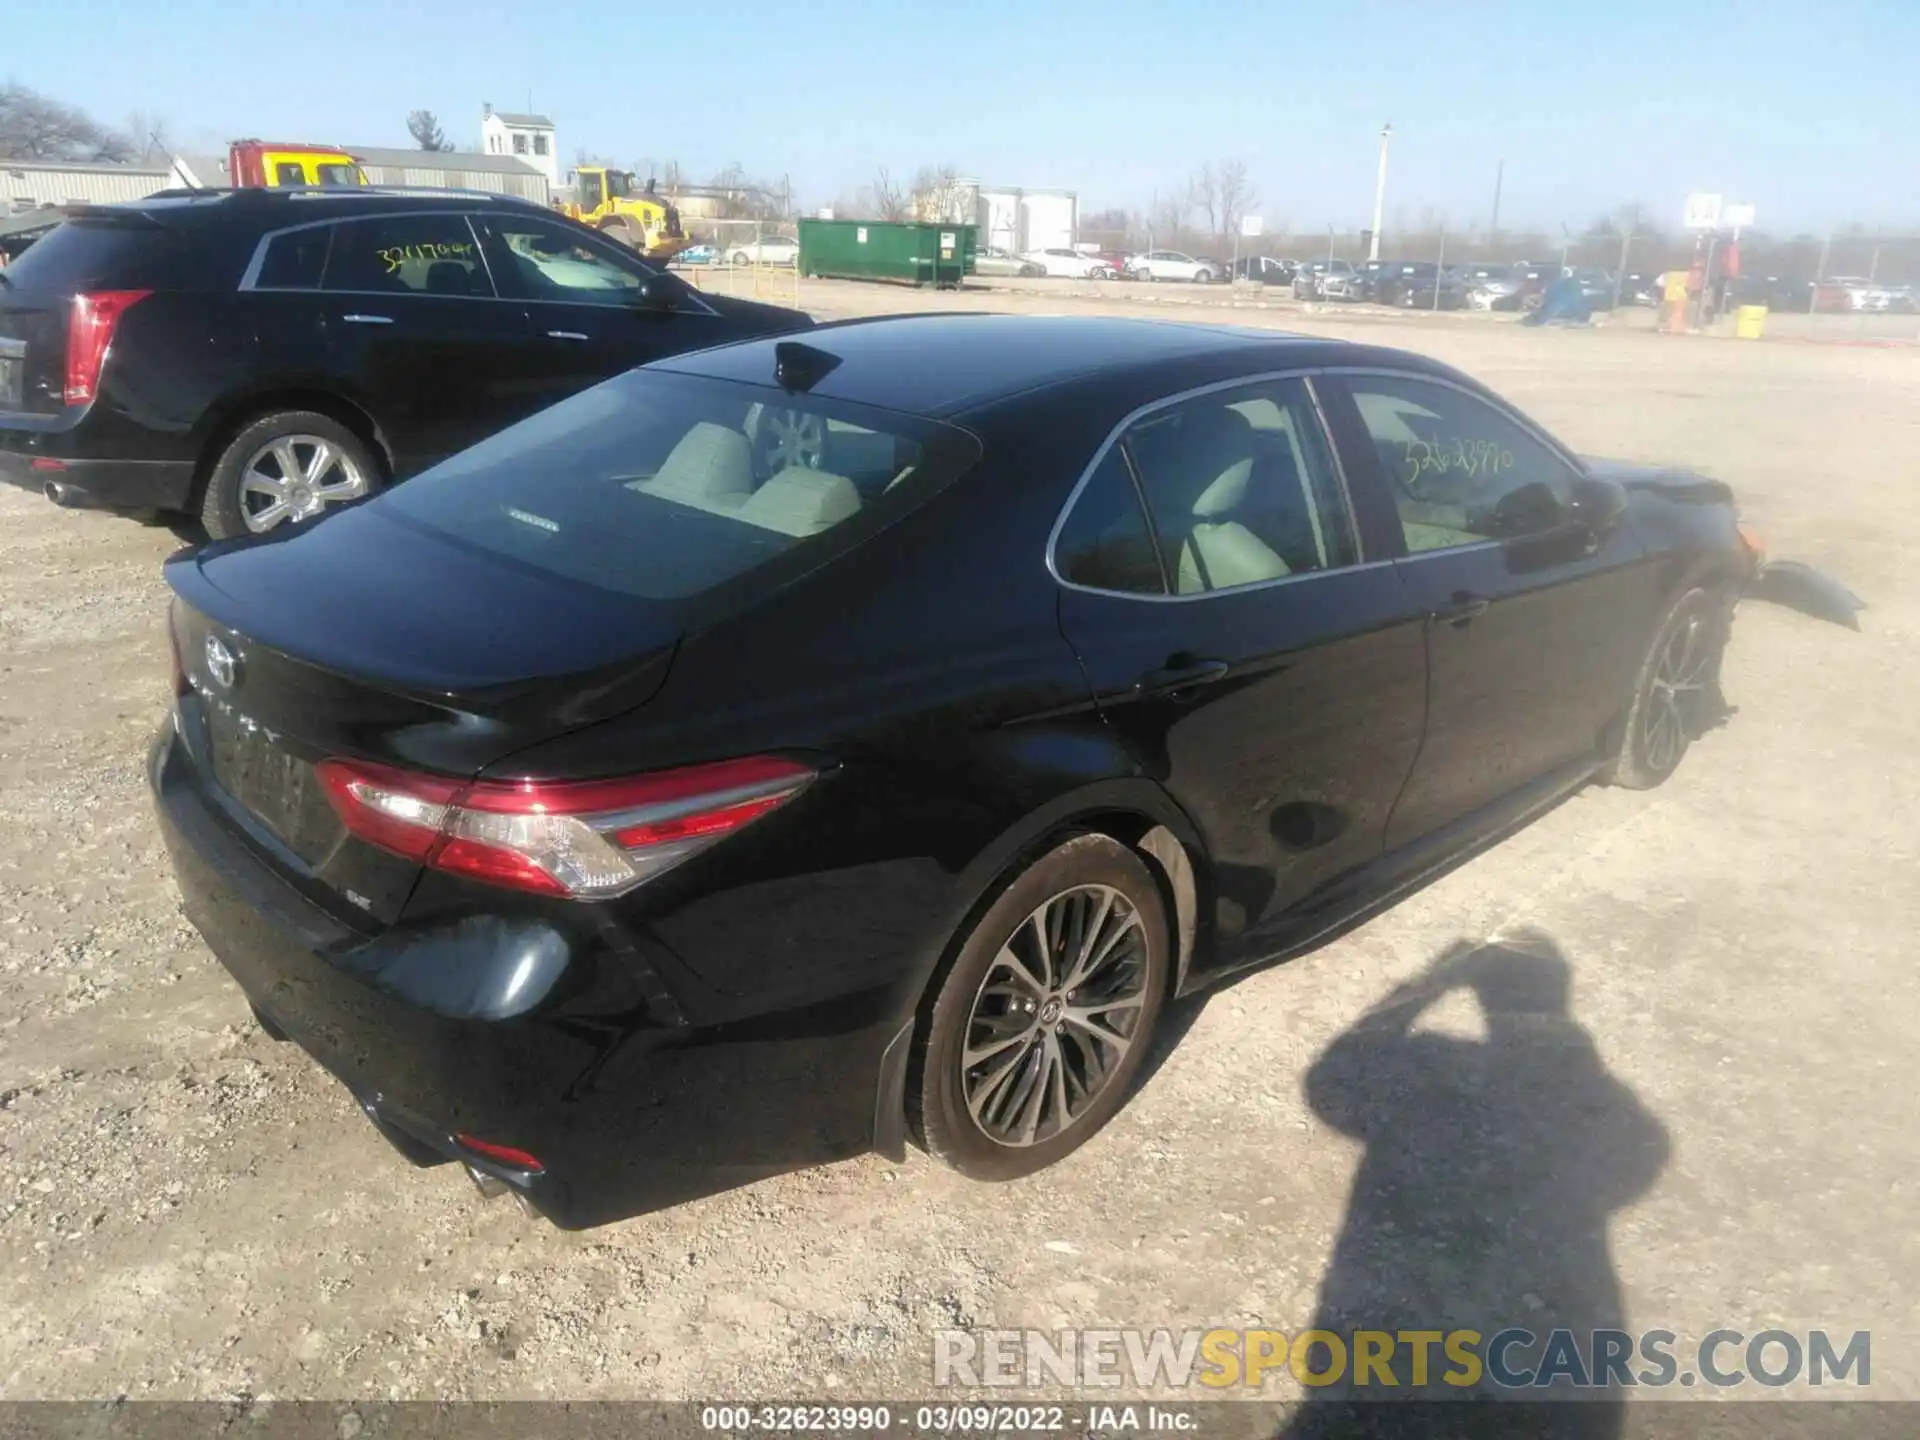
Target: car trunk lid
[{"x": 361, "y": 639}]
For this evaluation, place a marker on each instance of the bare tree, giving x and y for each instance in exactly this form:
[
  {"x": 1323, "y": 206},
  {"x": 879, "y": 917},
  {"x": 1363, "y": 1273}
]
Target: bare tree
[
  {"x": 1203, "y": 194},
  {"x": 936, "y": 195},
  {"x": 36, "y": 127},
  {"x": 889, "y": 200},
  {"x": 426, "y": 131},
  {"x": 1234, "y": 194},
  {"x": 151, "y": 135},
  {"x": 1167, "y": 219}
]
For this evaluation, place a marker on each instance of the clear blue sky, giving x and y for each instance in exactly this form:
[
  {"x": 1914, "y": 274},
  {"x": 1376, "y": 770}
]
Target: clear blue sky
[{"x": 1807, "y": 110}]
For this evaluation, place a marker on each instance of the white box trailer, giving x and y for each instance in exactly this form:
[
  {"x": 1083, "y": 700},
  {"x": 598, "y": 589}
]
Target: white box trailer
[{"x": 1019, "y": 219}]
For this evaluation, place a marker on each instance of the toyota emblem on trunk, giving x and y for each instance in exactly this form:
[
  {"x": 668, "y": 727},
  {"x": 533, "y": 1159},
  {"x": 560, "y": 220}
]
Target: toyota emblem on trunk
[{"x": 220, "y": 662}]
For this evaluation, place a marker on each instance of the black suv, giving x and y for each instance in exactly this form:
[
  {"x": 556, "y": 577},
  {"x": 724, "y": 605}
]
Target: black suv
[{"x": 258, "y": 355}]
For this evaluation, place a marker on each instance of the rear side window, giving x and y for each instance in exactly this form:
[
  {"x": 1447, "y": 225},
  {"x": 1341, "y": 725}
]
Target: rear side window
[
  {"x": 1105, "y": 543},
  {"x": 407, "y": 254},
  {"x": 1240, "y": 488},
  {"x": 90, "y": 255},
  {"x": 295, "y": 260},
  {"x": 665, "y": 486}
]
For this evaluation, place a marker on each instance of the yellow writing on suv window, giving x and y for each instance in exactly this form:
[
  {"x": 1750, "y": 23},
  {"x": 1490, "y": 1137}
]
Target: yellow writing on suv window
[{"x": 398, "y": 255}]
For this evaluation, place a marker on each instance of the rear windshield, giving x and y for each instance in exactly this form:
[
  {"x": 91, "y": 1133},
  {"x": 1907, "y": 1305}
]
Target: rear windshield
[
  {"x": 664, "y": 486},
  {"x": 89, "y": 255}
]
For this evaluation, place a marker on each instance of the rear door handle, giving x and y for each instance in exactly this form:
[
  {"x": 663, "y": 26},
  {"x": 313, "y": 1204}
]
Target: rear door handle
[
  {"x": 1460, "y": 609},
  {"x": 565, "y": 335},
  {"x": 1180, "y": 682},
  {"x": 367, "y": 319}
]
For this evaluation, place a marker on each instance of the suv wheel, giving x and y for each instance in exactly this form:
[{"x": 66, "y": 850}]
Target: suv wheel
[
  {"x": 283, "y": 468},
  {"x": 1043, "y": 1017}
]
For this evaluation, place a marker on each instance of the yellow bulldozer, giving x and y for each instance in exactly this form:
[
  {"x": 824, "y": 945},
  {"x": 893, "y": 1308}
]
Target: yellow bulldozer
[{"x": 614, "y": 202}]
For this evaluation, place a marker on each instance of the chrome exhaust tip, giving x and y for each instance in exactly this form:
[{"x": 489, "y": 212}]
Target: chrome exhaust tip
[
  {"x": 491, "y": 1187},
  {"x": 65, "y": 496}
]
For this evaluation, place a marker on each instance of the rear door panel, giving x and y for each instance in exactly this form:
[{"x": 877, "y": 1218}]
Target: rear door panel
[{"x": 1282, "y": 713}]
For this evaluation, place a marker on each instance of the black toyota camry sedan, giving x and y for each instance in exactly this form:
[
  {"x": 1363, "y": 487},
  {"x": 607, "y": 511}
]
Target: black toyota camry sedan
[{"x": 779, "y": 750}]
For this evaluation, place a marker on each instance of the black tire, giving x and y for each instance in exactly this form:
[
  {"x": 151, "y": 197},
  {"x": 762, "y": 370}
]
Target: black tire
[
  {"x": 937, "y": 1088},
  {"x": 1676, "y": 694},
  {"x": 221, "y": 505}
]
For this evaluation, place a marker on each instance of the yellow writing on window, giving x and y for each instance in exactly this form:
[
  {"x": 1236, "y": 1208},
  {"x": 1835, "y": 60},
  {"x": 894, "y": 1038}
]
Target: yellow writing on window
[{"x": 397, "y": 255}]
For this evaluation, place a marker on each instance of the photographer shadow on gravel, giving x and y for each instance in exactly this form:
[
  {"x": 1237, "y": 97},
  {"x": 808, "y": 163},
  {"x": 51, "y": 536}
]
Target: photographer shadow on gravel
[{"x": 1491, "y": 1168}]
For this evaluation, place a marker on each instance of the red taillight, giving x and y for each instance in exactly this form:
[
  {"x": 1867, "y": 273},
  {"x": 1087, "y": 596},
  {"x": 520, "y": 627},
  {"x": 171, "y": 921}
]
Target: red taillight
[
  {"x": 586, "y": 840},
  {"x": 90, "y": 327},
  {"x": 41, "y": 462},
  {"x": 500, "y": 1154}
]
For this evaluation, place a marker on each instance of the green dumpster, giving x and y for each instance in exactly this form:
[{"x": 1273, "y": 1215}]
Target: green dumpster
[{"x": 917, "y": 252}]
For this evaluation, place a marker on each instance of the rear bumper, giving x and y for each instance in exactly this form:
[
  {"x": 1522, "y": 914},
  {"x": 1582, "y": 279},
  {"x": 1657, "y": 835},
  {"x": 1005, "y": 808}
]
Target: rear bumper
[
  {"x": 98, "y": 484},
  {"x": 595, "y": 1051}
]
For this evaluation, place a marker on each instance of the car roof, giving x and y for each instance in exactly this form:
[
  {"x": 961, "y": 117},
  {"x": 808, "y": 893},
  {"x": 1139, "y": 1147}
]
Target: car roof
[
  {"x": 273, "y": 208},
  {"x": 944, "y": 365}
]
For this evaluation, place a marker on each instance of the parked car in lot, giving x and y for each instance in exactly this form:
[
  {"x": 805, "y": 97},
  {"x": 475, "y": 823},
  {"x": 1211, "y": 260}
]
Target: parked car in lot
[
  {"x": 1120, "y": 262},
  {"x": 1640, "y": 287},
  {"x": 1070, "y": 264},
  {"x": 1491, "y": 287},
  {"x": 259, "y": 356},
  {"x": 702, "y": 254},
  {"x": 766, "y": 250},
  {"x": 1175, "y": 265},
  {"x": 1596, "y": 285},
  {"x": 1419, "y": 285},
  {"x": 1533, "y": 277},
  {"x": 611, "y": 836},
  {"x": 1264, "y": 270},
  {"x": 1338, "y": 284},
  {"x": 1309, "y": 279},
  {"x": 992, "y": 261}
]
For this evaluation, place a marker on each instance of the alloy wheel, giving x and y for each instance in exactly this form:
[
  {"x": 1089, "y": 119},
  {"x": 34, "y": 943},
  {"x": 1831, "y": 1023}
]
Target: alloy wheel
[
  {"x": 1055, "y": 1015},
  {"x": 295, "y": 477},
  {"x": 1676, "y": 694}
]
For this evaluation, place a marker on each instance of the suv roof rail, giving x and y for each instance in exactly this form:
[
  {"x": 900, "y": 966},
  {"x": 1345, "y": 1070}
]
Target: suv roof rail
[
  {"x": 255, "y": 194},
  {"x": 337, "y": 192}
]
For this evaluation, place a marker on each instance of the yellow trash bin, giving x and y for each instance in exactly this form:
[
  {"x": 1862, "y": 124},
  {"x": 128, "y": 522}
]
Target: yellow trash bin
[{"x": 1749, "y": 321}]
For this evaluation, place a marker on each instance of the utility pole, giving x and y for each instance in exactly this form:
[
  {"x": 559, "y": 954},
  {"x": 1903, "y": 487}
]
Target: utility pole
[
  {"x": 1626, "y": 240},
  {"x": 1380, "y": 192},
  {"x": 1820, "y": 272},
  {"x": 1493, "y": 225}
]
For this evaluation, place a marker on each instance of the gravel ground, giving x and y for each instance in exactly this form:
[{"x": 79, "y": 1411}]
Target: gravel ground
[{"x": 1713, "y": 1136}]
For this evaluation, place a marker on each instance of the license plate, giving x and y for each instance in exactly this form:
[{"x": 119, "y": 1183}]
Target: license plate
[{"x": 277, "y": 787}]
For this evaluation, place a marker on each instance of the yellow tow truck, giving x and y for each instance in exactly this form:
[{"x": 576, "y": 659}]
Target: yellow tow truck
[{"x": 612, "y": 201}]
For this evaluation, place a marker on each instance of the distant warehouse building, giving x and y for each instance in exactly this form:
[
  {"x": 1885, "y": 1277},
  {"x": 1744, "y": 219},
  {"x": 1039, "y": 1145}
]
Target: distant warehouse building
[
  {"x": 459, "y": 170},
  {"x": 34, "y": 184},
  {"x": 434, "y": 169}
]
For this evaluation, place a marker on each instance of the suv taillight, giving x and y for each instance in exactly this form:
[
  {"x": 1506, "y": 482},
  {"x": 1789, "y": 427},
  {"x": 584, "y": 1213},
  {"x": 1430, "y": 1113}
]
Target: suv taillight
[
  {"x": 90, "y": 327},
  {"x": 584, "y": 840}
]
